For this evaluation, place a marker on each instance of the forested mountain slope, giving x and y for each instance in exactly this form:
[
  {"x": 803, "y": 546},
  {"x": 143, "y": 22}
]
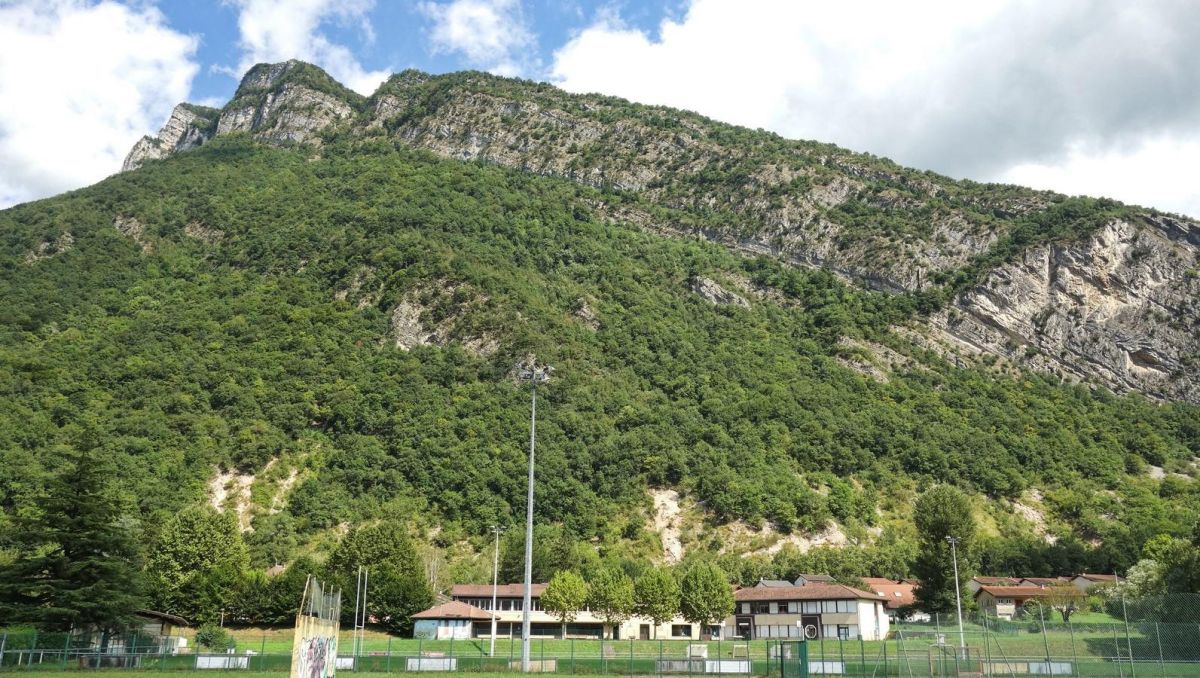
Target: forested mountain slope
[{"x": 304, "y": 301}]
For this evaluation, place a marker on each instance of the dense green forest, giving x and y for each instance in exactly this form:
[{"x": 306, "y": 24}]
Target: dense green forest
[{"x": 232, "y": 308}]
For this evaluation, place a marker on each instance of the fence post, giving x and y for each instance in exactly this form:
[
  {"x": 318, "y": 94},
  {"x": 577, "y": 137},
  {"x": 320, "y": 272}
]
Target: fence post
[
  {"x": 420, "y": 654},
  {"x": 452, "y": 647},
  {"x": 572, "y": 655},
  {"x": 3, "y": 643},
  {"x": 862, "y": 655},
  {"x": 660, "y": 660},
  {"x": 885, "y": 662},
  {"x": 1162, "y": 666},
  {"x": 631, "y": 655},
  {"x": 1074, "y": 652},
  {"x": 1117, "y": 647},
  {"x": 389, "y": 654}
]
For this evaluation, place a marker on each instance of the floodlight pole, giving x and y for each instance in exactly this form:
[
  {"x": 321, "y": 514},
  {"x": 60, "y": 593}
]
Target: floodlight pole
[
  {"x": 496, "y": 530},
  {"x": 534, "y": 375},
  {"x": 962, "y": 638}
]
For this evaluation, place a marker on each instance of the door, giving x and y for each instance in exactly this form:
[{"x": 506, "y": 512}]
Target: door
[
  {"x": 644, "y": 632},
  {"x": 745, "y": 627},
  {"x": 811, "y": 625}
]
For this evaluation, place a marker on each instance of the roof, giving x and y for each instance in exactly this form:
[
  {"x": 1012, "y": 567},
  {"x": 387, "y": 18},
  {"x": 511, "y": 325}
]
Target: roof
[
  {"x": 1024, "y": 591},
  {"x": 996, "y": 581},
  {"x": 893, "y": 594},
  {"x": 162, "y": 616},
  {"x": 872, "y": 581},
  {"x": 773, "y": 583},
  {"x": 810, "y": 592},
  {"x": 1045, "y": 580},
  {"x": 814, "y": 578},
  {"x": 454, "y": 610},
  {"x": 1099, "y": 577},
  {"x": 502, "y": 591}
]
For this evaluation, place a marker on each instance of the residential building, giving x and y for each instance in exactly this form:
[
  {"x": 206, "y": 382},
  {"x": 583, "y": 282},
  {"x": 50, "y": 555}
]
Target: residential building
[
  {"x": 468, "y": 615},
  {"x": 1006, "y": 602},
  {"x": 977, "y": 582},
  {"x": 806, "y": 579},
  {"x": 898, "y": 596},
  {"x": 773, "y": 583},
  {"x": 815, "y": 610},
  {"x": 1043, "y": 581},
  {"x": 1085, "y": 581}
]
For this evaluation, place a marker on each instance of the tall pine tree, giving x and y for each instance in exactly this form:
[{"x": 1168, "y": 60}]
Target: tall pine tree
[{"x": 76, "y": 566}]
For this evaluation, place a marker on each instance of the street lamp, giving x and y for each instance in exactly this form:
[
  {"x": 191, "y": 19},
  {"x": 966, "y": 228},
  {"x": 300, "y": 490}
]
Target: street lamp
[
  {"x": 496, "y": 530},
  {"x": 962, "y": 639},
  {"x": 533, "y": 375}
]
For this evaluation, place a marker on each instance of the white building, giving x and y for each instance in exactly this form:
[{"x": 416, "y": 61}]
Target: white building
[
  {"x": 468, "y": 615},
  {"x": 813, "y": 610}
]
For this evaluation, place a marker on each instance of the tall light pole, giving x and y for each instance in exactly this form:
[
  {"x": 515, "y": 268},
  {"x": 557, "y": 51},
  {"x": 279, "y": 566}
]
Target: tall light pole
[
  {"x": 962, "y": 638},
  {"x": 533, "y": 375},
  {"x": 496, "y": 530}
]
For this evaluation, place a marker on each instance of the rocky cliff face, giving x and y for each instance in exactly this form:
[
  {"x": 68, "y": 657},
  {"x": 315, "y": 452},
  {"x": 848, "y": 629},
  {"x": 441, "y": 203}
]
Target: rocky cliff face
[
  {"x": 1121, "y": 308},
  {"x": 188, "y": 127},
  {"x": 1115, "y": 307}
]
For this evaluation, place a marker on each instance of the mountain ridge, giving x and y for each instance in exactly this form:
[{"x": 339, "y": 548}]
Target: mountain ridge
[{"x": 952, "y": 245}]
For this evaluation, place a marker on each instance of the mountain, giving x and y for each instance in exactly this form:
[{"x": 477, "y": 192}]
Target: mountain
[
  {"x": 306, "y": 307},
  {"x": 1082, "y": 289}
]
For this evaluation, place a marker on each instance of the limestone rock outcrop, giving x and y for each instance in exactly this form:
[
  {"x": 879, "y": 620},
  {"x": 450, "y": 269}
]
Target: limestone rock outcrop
[{"x": 1121, "y": 308}]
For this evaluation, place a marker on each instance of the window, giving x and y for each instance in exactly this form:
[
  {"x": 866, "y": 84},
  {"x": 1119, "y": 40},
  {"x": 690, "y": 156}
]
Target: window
[
  {"x": 506, "y": 604},
  {"x": 812, "y": 607},
  {"x": 681, "y": 630},
  {"x": 761, "y": 608},
  {"x": 846, "y": 606}
]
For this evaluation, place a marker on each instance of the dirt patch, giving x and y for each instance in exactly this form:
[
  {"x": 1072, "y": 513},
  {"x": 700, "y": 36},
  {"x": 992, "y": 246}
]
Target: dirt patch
[
  {"x": 134, "y": 230},
  {"x": 667, "y": 521},
  {"x": 1028, "y": 507},
  {"x": 231, "y": 486},
  {"x": 63, "y": 243}
]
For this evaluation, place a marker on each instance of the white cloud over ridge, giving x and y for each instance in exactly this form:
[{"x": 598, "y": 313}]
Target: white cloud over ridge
[
  {"x": 80, "y": 82},
  {"x": 489, "y": 34},
  {"x": 1093, "y": 97},
  {"x": 278, "y": 30}
]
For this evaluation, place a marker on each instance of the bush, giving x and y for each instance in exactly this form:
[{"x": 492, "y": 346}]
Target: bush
[{"x": 213, "y": 637}]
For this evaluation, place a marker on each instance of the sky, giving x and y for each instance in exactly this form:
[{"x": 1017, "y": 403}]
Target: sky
[{"x": 1093, "y": 97}]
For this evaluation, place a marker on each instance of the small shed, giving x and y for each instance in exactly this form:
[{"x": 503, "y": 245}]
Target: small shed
[{"x": 454, "y": 619}]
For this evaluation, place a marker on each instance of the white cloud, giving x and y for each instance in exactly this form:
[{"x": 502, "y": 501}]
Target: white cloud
[
  {"x": 489, "y": 34},
  {"x": 278, "y": 30},
  {"x": 80, "y": 82},
  {"x": 972, "y": 89},
  {"x": 1159, "y": 172}
]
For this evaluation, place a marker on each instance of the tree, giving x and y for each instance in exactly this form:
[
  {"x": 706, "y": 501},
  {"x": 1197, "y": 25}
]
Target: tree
[
  {"x": 943, "y": 511},
  {"x": 76, "y": 565},
  {"x": 610, "y": 595},
  {"x": 656, "y": 595},
  {"x": 565, "y": 596},
  {"x": 197, "y": 564},
  {"x": 1064, "y": 598},
  {"x": 705, "y": 596},
  {"x": 396, "y": 584}
]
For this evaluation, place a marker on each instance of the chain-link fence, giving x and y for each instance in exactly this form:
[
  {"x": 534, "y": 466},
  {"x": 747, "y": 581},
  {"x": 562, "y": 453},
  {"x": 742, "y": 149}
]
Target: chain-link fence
[{"x": 1149, "y": 639}]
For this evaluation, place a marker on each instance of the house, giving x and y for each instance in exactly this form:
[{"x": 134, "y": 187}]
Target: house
[
  {"x": 469, "y": 615},
  {"x": 1006, "y": 601},
  {"x": 806, "y": 579},
  {"x": 1043, "y": 581},
  {"x": 773, "y": 583},
  {"x": 977, "y": 582},
  {"x": 1085, "y": 581},
  {"x": 815, "y": 610},
  {"x": 897, "y": 595}
]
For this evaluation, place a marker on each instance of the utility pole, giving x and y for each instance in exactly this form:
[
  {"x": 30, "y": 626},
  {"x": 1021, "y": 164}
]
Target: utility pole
[
  {"x": 496, "y": 530},
  {"x": 962, "y": 638},
  {"x": 534, "y": 376}
]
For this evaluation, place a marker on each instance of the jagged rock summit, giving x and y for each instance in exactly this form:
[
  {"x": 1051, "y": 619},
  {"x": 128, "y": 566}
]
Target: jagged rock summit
[{"x": 1082, "y": 289}]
